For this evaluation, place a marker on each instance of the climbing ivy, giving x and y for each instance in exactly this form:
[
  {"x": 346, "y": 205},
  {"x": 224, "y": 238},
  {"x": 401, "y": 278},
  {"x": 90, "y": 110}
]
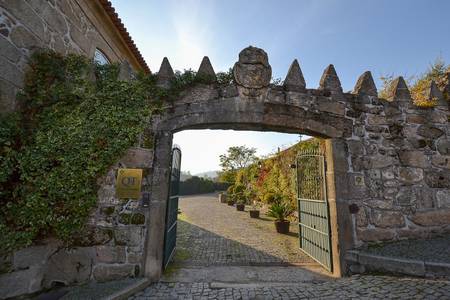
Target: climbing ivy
[
  {"x": 273, "y": 177},
  {"x": 69, "y": 130},
  {"x": 75, "y": 120}
]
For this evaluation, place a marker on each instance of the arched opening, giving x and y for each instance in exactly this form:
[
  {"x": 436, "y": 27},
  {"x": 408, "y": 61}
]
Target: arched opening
[{"x": 239, "y": 114}]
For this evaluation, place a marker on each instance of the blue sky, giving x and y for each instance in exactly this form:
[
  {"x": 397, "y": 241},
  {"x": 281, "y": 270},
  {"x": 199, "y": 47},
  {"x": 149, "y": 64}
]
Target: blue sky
[{"x": 383, "y": 36}]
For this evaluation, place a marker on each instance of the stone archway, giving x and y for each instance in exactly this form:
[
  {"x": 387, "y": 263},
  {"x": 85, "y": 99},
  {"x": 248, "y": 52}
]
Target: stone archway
[{"x": 373, "y": 146}]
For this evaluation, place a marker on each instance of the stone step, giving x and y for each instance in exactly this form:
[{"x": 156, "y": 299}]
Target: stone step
[{"x": 248, "y": 274}]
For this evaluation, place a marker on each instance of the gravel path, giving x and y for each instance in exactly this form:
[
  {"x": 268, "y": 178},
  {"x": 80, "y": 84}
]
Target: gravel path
[{"x": 213, "y": 233}]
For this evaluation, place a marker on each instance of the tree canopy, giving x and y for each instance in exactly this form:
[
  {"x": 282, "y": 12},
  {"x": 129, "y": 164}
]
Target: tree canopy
[{"x": 236, "y": 158}]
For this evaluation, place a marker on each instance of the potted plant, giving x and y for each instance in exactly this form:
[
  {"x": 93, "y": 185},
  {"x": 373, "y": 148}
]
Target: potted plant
[
  {"x": 239, "y": 193},
  {"x": 280, "y": 211},
  {"x": 230, "y": 193},
  {"x": 240, "y": 204},
  {"x": 254, "y": 211}
]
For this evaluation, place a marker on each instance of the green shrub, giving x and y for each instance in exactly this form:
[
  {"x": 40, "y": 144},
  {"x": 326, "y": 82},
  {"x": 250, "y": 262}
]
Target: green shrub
[
  {"x": 280, "y": 211},
  {"x": 68, "y": 131}
]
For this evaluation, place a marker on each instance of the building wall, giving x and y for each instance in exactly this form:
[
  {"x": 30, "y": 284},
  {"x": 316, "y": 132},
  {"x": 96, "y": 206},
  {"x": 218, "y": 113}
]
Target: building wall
[
  {"x": 66, "y": 26},
  {"x": 110, "y": 247}
]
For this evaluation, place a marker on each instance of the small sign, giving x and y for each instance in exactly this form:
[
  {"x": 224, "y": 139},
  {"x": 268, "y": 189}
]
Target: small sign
[
  {"x": 128, "y": 184},
  {"x": 359, "y": 180}
]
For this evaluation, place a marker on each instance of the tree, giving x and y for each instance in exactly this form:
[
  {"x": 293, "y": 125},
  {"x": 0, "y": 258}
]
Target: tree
[
  {"x": 236, "y": 158},
  {"x": 419, "y": 84}
]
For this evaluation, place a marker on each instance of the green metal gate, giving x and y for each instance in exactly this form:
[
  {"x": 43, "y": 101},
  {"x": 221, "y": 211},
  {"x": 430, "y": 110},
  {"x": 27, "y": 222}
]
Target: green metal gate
[
  {"x": 313, "y": 212},
  {"x": 170, "y": 237}
]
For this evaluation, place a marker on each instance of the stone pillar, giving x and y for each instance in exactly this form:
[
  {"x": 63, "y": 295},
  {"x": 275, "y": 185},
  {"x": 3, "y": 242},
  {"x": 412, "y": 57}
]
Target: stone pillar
[
  {"x": 158, "y": 202},
  {"x": 340, "y": 219}
]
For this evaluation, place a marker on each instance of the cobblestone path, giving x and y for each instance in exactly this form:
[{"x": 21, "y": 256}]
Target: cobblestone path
[
  {"x": 224, "y": 254},
  {"x": 213, "y": 233},
  {"x": 355, "y": 287}
]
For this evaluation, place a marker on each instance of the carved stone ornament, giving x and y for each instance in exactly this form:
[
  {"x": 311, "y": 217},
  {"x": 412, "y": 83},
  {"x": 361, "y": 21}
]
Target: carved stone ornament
[{"x": 252, "y": 72}]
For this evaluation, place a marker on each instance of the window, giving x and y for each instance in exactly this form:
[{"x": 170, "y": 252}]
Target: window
[{"x": 100, "y": 57}]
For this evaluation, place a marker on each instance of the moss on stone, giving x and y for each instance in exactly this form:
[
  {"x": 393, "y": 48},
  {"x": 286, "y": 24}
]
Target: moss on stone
[
  {"x": 132, "y": 218},
  {"x": 108, "y": 210}
]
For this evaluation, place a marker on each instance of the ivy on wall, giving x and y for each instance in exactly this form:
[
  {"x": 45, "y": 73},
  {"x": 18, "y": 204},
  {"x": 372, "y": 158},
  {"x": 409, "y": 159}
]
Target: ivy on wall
[
  {"x": 273, "y": 178},
  {"x": 75, "y": 120},
  {"x": 68, "y": 131}
]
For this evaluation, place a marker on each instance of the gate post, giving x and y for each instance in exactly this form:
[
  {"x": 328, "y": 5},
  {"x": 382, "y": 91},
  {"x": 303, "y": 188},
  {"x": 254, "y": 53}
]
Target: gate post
[
  {"x": 154, "y": 244},
  {"x": 340, "y": 219}
]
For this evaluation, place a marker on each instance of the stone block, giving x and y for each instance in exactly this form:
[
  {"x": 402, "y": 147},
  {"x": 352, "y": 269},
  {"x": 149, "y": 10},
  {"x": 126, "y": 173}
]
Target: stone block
[
  {"x": 437, "y": 179},
  {"x": 361, "y": 217},
  {"x": 198, "y": 93},
  {"x": 7, "y": 96},
  {"x": 333, "y": 107},
  {"x": 390, "y": 264},
  {"x": 431, "y": 218},
  {"x": 355, "y": 147},
  {"x": 376, "y": 120},
  {"x": 135, "y": 255},
  {"x": 443, "y": 146},
  {"x": 21, "y": 282},
  {"x": 414, "y": 159},
  {"x": 380, "y": 161},
  {"x": 410, "y": 175},
  {"x": 11, "y": 72},
  {"x": 275, "y": 96},
  {"x": 352, "y": 256},
  {"x": 113, "y": 272},
  {"x": 437, "y": 116},
  {"x": 80, "y": 39},
  {"x": 23, "y": 38},
  {"x": 110, "y": 254},
  {"x": 52, "y": 17},
  {"x": 375, "y": 234},
  {"x": 132, "y": 218},
  {"x": 9, "y": 51},
  {"x": 69, "y": 266},
  {"x": 437, "y": 269},
  {"x": 129, "y": 235},
  {"x": 229, "y": 91},
  {"x": 387, "y": 219},
  {"x": 443, "y": 198},
  {"x": 24, "y": 12},
  {"x": 423, "y": 197},
  {"x": 33, "y": 255},
  {"x": 138, "y": 158},
  {"x": 428, "y": 131},
  {"x": 441, "y": 161},
  {"x": 416, "y": 119}
]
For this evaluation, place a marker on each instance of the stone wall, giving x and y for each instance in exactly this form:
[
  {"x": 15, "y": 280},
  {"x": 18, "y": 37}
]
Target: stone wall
[
  {"x": 111, "y": 246},
  {"x": 391, "y": 158},
  {"x": 66, "y": 26}
]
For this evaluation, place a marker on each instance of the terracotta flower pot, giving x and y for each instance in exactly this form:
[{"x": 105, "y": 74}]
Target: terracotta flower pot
[
  {"x": 240, "y": 207},
  {"x": 254, "y": 213},
  {"x": 282, "y": 226}
]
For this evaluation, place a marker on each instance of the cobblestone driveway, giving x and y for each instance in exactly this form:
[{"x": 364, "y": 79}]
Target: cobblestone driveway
[
  {"x": 213, "y": 233},
  {"x": 355, "y": 287}
]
